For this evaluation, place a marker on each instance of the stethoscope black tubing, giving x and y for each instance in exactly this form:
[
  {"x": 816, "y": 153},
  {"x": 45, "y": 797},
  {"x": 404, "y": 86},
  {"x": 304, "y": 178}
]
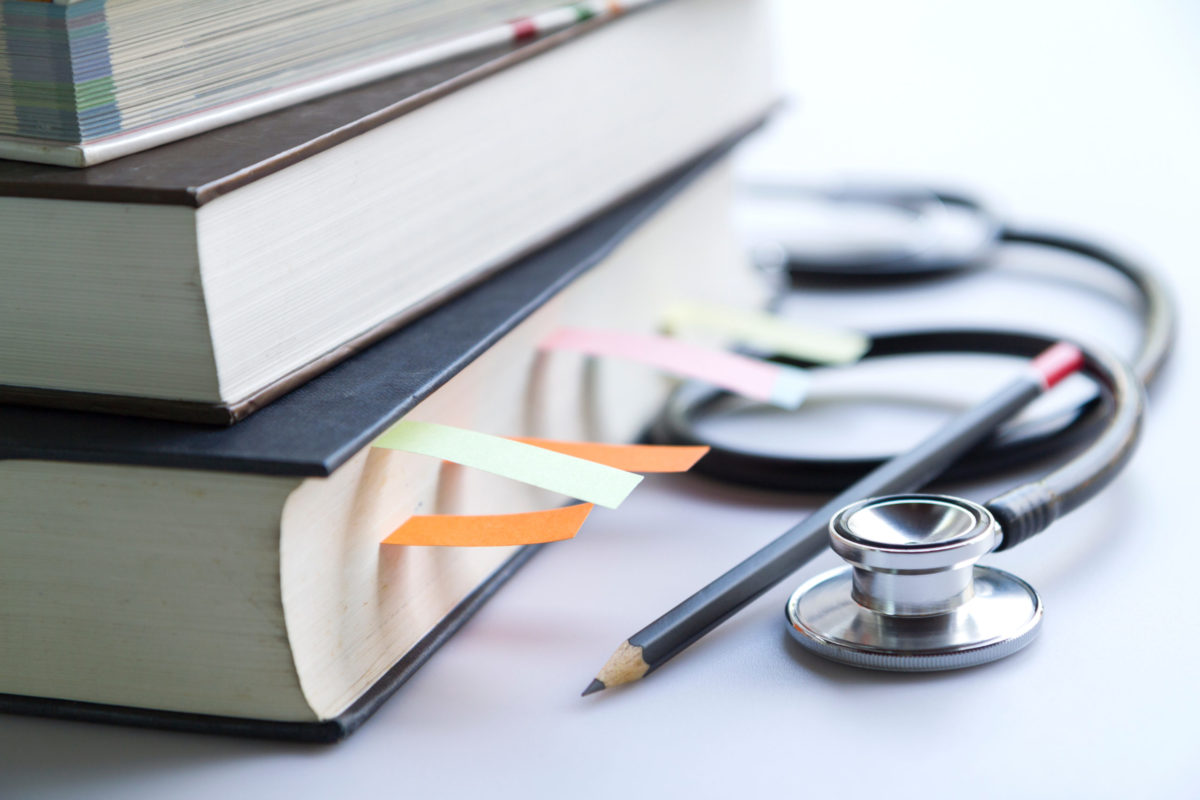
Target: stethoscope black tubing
[
  {"x": 1029, "y": 508},
  {"x": 1156, "y": 312},
  {"x": 1014, "y": 446}
]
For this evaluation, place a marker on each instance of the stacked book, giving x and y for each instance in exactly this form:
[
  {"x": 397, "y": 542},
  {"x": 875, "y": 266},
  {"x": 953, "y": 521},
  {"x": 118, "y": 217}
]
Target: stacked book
[{"x": 314, "y": 219}]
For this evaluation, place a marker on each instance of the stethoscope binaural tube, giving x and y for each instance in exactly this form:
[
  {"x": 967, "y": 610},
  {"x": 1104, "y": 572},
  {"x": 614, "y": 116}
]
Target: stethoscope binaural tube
[
  {"x": 1016, "y": 445},
  {"x": 936, "y": 258}
]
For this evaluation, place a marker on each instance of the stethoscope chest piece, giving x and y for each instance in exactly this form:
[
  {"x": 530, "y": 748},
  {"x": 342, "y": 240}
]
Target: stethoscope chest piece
[{"x": 912, "y": 598}]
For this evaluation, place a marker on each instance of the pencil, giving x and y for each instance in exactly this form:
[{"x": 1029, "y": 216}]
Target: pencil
[{"x": 654, "y": 645}]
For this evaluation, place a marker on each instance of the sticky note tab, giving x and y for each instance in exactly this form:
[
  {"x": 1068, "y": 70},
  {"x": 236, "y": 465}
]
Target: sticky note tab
[
  {"x": 574, "y": 477},
  {"x": 491, "y": 530},
  {"x": 779, "y": 385},
  {"x": 768, "y": 332},
  {"x": 633, "y": 457}
]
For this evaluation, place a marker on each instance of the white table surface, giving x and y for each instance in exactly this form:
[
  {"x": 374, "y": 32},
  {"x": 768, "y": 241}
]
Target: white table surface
[{"x": 1071, "y": 114}]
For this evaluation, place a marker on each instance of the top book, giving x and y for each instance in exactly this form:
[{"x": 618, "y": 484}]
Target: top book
[
  {"x": 85, "y": 81},
  {"x": 205, "y": 278}
]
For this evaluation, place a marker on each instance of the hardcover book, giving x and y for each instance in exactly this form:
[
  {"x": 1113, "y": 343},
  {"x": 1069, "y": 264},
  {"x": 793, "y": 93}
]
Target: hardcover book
[
  {"x": 205, "y": 278},
  {"x": 232, "y": 580},
  {"x": 84, "y": 81}
]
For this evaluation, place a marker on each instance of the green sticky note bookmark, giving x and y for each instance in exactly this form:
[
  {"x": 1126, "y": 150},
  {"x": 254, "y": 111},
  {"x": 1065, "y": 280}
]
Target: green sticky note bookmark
[{"x": 575, "y": 477}]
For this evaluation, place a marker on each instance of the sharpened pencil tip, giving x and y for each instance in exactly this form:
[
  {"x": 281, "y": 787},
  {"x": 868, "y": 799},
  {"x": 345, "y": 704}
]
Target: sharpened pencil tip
[{"x": 626, "y": 665}]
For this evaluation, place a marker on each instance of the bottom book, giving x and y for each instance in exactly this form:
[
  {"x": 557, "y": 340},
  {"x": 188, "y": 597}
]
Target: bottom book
[{"x": 232, "y": 581}]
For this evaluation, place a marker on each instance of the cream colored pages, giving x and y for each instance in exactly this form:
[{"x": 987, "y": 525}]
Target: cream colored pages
[{"x": 352, "y": 608}]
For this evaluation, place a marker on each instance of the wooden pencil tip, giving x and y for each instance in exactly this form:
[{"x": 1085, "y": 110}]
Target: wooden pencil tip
[{"x": 625, "y": 666}]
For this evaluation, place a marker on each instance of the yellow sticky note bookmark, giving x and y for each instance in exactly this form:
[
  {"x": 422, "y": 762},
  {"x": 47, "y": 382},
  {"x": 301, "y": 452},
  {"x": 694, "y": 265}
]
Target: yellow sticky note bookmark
[
  {"x": 491, "y": 530},
  {"x": 768, "y": 332},
  {"x": 575, "y": 477}
]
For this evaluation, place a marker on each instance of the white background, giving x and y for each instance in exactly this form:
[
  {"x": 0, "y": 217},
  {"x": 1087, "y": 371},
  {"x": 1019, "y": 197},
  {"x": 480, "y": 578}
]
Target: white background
[{"x": 1084, "y": 116}]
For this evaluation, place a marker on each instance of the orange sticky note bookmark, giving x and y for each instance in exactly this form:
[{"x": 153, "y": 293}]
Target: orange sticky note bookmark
[
  {"x": 491, "y": 530},
  {"x": 630, "y": 457}
]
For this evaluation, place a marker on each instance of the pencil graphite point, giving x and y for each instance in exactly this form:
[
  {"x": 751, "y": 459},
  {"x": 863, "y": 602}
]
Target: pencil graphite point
[{"x": 625, "y": 666}]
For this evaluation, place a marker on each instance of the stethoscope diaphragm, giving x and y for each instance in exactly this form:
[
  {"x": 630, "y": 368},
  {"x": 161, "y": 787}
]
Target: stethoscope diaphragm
[{"x": 912, "y": 598}]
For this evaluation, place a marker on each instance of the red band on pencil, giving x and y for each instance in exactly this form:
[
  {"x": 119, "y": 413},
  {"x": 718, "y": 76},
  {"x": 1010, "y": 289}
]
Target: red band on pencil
[
  {"x": 1057, "y": 362},
  {"x": 523, "y": 28}
]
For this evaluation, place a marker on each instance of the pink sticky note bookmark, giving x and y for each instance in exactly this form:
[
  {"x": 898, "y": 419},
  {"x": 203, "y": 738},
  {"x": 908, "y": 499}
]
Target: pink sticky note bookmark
[{"x": 776, "y": 384}]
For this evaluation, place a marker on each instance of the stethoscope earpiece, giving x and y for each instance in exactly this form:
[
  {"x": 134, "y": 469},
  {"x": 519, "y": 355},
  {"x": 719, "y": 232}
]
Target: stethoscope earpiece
[{"x": 912, "y": 598}]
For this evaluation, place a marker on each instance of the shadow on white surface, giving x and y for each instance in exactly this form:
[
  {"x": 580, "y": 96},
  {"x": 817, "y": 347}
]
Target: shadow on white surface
[{"x": 1075, "y": 113}]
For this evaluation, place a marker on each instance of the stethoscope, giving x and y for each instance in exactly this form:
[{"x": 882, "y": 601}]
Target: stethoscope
[{"x": 912, "y": 596}]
